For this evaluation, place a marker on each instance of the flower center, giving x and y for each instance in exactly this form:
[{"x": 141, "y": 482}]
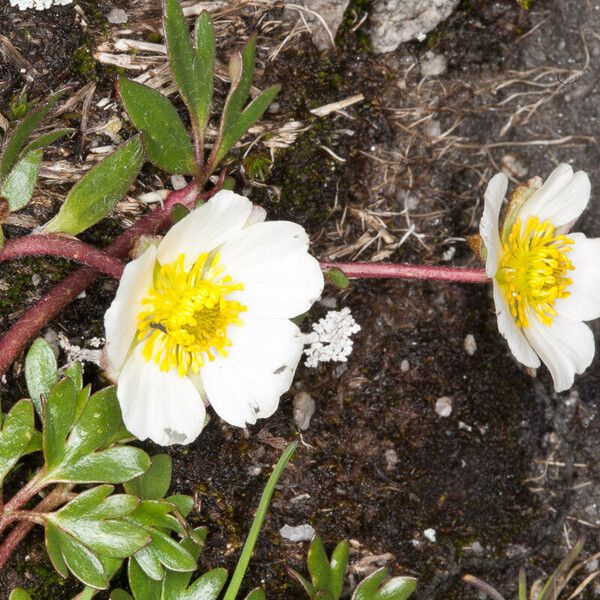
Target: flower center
[
  {"x": 187, "y": 314},
  {"x": 533, "y": 270}
]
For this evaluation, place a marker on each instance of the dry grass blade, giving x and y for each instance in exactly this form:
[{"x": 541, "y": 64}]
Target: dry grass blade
[{"x": 484, "y": 587}]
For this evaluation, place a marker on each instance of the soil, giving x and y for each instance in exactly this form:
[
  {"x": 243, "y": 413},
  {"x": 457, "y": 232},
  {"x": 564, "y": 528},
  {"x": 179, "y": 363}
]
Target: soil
[{"x": 510, "y": 478}]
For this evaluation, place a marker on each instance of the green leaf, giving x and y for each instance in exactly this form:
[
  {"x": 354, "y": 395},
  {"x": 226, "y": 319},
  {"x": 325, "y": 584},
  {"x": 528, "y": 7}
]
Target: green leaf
[
  {"x": 47, "y": 139},
  {"x": 184, "y": 504},
  {"x": 97, "y": 521},
  {"x": 20, "y": 135},
  {"x": 339, "y": 562},
  {"x": 20, "y": 183},
  {"x": 173, "y": 556},
  {"x": 149, "y": 563},
  {"x": 166, "y": 141},
  {"x": 15, "y": 435},
  {"x": 120, "y": 595},
  {"x": 338, "y": 278},
  {"x": 83, "y": 563},
  {"x": 87, "y": 455},
  {"x": 234, "y": 128},
  {"x": 263, "y": 506},
  {"x": 95, "y": 195},
  {"x": 318, "y": 565},
  {"x": 41, "y": 372},
  {"x": 256, "y": 594},
  {"x": 142, "y": 587},
  {"x": 206, "y": 587},
  {"x": 398, "y": 588},
  {"x": 59, "y": 412},
  {"x": 19, "y": 594},
  {"x": 54, "y": 550},
  {"x": 155, "y": 482},
  {"x": 75, "y": 372},
  {"x": 178, "y": 212},
  {"x": 192, "y": 68}
]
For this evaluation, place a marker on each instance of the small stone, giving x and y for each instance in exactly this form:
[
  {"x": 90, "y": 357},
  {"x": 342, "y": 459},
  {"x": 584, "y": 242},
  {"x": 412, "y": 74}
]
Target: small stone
[
  {"x": 391, "y": 457},
  {"x": 470, "y": 345},
  {"x": 405, "y": 366},
  {"x": 117, "y": 16},
  {"x": 36, "y": 279},
  {"x": 433, "y": 64},
  {"x": 304, "y": 409},
  {"x": 178, "y": 182},
  {"x": 443, "y": 406},
  {"x": 433, "y": 128},
  {"x": 430, "y": 534},
  {"x": 300, "y": 533},
  {"x": 449, "y": 254}
]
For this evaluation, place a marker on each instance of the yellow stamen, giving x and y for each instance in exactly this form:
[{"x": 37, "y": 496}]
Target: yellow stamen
[
  {"x": 533, "y": 270},
  {"x": 187, "y": 314}
]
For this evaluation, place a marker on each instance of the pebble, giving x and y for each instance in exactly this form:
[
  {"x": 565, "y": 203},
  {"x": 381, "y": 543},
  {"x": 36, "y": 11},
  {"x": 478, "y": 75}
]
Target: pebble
[
  {"x": 36, "y": 279},
  {"x": 304, "y": 409},
  {"x": 433, "y": 64},
  {"x": 405, "y": 366},
  {"x": 178, "y": 182},
  {"x": 117, "y": 16},
  {"x": 470, "y": 344},
  {"x": 443, "y": 406},
  {"x": 300, "y": 533},
  {"x": 391, "y": 457},
  {"x": 430, "y": 534}
]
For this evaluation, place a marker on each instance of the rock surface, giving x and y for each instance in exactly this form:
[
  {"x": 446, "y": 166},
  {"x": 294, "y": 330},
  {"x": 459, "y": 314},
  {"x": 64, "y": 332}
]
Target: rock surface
[
  {"x": 331, "y": 12},
  {"x": 396, "y": 21}
]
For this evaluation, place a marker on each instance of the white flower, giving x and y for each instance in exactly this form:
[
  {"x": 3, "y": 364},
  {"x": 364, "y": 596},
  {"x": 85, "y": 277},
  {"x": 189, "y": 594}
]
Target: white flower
[
  {"x": 331, "y": 338},
  {"x": 38, "y": 4},
  {"x": 206, "y": 315},
  {"x": 546, "y": 280}
]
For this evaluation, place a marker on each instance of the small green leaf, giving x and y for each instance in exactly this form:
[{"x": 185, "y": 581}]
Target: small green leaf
[
  {"x": 318, "y": 565},
  {"x": 157, "y": 513},
  {"x": 19, "y": 594},
  {"x": 192, "y": 68},
  {"x": 41, "y": 372},
  {"x": 206, "y": 587},
  {"x": 339, "y": 562},
  {"x": 53, "y": 549},
  {"x": 178, "y": 212},
  {"x": 166, "y": 141},
  {"x": 119, "y": 594},
  {"x": 155, "y": 482},
  {"x": 59, "y": 413},
  {"x": 19, "y": 184},
  {"x": 235, "y": 127},
  {"x": 256, "y": 594},
  {"x": 83, "y": 563},
  {"x": 142, "y": 587},
  {"x": 20, "y": 135},
  {"x": 15, "y": 435},
  {"x": 95, "y": 195},
  {"x": 184, "y": 504},
  {"x": 398, "y": 588},
  {"x": 173, "y": 556},
  {"x": 47, "y": 139},
  {"x": 338, "y": 278},
  {"x": 149, "y": 563},
  {"x": 75, "y": 372}
]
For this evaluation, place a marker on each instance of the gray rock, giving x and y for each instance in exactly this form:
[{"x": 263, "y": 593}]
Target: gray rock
[
  {"x": 433, "y": 64},
  {"x": 304, "y": 409},
  {"x": 117, "y": 16},
  {"x": 394, "y": 22},
  {"x": 330, "y": 11},
  {"x": 300, "y": 533}
]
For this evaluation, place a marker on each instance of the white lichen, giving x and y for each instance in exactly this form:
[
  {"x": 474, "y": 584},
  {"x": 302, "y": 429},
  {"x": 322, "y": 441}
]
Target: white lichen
[
  {"x": 331, "y": 338},
  {"x": 38, "y": 4}
]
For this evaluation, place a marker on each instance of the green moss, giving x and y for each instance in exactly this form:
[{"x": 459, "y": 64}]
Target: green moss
[
  {"x": 257, "y": 166},
  {"x": 84, "y": 63}
]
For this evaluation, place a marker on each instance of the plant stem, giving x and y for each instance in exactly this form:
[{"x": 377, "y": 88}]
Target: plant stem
[
  {"x": 405, "y": 271},
  {"x": 43, "y": 311},
  {"x": 265, "y": 500},
  {"x": 67, "y": 247},
  {"x": 26, "y": 493},
  {"x": 14, "y": 538}
]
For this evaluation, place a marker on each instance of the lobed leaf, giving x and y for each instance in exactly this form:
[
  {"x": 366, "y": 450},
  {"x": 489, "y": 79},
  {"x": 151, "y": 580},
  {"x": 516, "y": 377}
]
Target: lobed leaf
[
  {"x": 19, "y": 184},
  {"x": 15, "y": 435},
  {"x": 95, "y": 195},
  {"x": 41, "y": 372},
  {"x": 155, "y": 482},
  {"x": 166, "y": 141}
]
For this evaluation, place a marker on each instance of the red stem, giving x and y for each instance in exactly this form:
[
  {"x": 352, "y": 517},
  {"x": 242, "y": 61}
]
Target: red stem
[
  {"x": 60, "y": 245},
  {"x": 405, "y": 271},
  {"x": 37, "y": 316}
]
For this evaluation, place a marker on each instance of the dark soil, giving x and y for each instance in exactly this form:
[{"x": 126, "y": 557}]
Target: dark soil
[{"x": 474, "y": 477}]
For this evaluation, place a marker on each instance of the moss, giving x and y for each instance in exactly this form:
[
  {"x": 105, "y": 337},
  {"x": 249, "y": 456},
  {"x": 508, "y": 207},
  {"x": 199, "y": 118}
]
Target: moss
[{"x": 84, "y": 63}]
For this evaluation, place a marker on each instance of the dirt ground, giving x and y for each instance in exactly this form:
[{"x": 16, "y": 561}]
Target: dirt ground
[{"x": 511, "y": 477}]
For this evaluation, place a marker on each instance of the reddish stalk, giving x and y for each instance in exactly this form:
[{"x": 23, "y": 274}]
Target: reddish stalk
[
  {"x": 37, "y": 316},
  {"x": 60, "y": 245},
  {"x": 405, "y": 271}
]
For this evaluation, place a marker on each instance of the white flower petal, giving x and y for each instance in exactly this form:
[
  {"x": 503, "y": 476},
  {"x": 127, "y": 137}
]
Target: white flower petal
[
  {"x": 517, "y": 342},
  {"x": 568, "y": 204},
  {"x": 584, "y": 302},
  {"x": 120, "y": 320},
  {"x": 159, "y": 405},
  {"x": 205, "y": 228},
  {"x": 488, "y": 227},
  {"x": 271, "y": 260},
  {"x": 566, "y": 347},
  {"x": 561, "y": 199},
  {"x": 259, "y": 368}
]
